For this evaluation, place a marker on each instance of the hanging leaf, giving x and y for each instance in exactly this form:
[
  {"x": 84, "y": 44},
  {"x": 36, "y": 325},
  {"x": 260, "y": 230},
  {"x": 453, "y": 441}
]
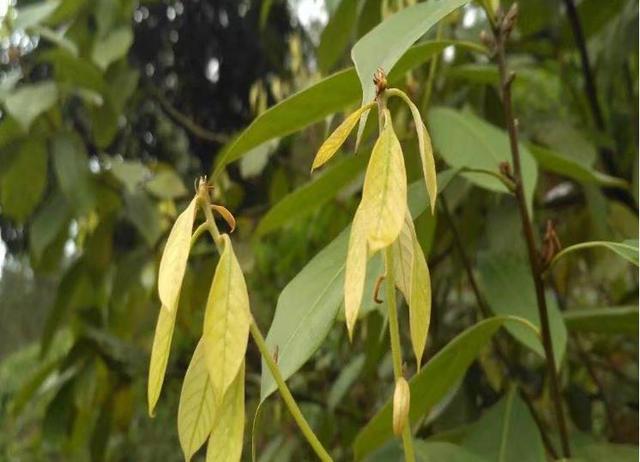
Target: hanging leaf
[
  {"x": 338, "y": 137},
  {"x": 627, "y": 249},
  {"x": 355, "y": 271},
  {"x": 420, "y": 301},
  {"x": 197, "y": 408},
  {"x": 159, "y": 356},
  {"x": 226, "y": 321},
  {"x": 225, "y": 443},
  {"x": 403, "y": 258},
  {"x": 174, "y": 258},
  {"x": 384, "y": 194},
  {"x": 609, "y": 320}
]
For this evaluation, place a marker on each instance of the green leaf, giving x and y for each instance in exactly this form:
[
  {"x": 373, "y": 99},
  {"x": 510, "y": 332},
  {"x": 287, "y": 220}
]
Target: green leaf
[
  {"x": 130, "y": 173},
  {"x": 160, "y": 351},
  {"x": 627, "y": 249},
  {"x": 71, "y": 166},
  {"x": 565, "y": 166},
  {"x": 609, "y": 320},
  {"x": 112, "y": 47},
  {"x": 598, "y": 452},
  {"x": 55, "y": 37},
  {"x": 504, "y": 430},
  {"x": 312, "y": 196},
  {"x": 388, "y": 41},
  {"x": 342, "y": 384},
  {"x": 197, "y": 407},
  {"x": 336, "y": 35},
  {"x": 48, "y": 223},
  {"x": 225, "y": 443},
  {"x": 24, "y": 181},
  {"x": 430, "y": 385},
  {"x": 143, "y": 213},
  {"x": 466, "y": 141},
  {"x": 355, "y": 270},
  {"x": 166, "y": 184},
  {"x": 427, "y": 451},
  {"x": 505, "y": 281},
  {"x": 174, "y": 258},
  {"x": 226, "y": 322},
  {"x": 34, "y": 14},
  {"x": 420, "y": 301},
  {"x": 73, "y": 70},
  {"x": 30, "y": 100}
]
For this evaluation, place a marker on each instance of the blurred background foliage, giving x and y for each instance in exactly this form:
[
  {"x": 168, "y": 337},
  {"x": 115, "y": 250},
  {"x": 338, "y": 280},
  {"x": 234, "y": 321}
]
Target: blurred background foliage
[{"x": 111, "y": 108}]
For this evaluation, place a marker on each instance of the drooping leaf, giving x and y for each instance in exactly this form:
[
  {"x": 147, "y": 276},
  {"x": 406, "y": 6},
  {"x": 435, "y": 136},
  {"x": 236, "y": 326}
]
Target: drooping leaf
[
  {"x": 336, "y": 34},
  {"x": 338, "y": 137},
  {"x": 30, "y": 100},
  {"x": 160, "y": 351},
  {"x": 226, "y": 321},
  {"x": 627, "y": 249},
  {"x": 112, "y": 47},
  {"x": 197, "y": 408},
  {"x": 174, "y": 258},
  {"x": 355, "y": 270},
  {"x": 388, "y": 41},
  {"x": 466, "y": 141},
  {"x": 420, "y": 301},
  {"x": 504, "y": 430},
  {"x": 609, "y": 320},
  {"x": 225, "y": 443},
  {"x": 403, "y": 258},
  {"x": 384, "y": 194},
  {"x": 431, "y": 384}
]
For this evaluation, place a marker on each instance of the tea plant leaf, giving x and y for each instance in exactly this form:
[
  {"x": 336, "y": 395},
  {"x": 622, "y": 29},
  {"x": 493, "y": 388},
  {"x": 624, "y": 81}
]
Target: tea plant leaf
[
  {"x": 355, "y": 270},
  {"x": 338, "y": 137},
  {"x": 225, "y": 443},
  {"x": 432, "y": 383},
  {"x": 502, "y": 432},
  {"x": 420, "y": 301},
  {"x": 159, "y": 356},
  {"x": 384, "y": 194},
  {"x": 401, "y": 400},
  {"x": 197, "y": 407},
  {"x": 174, "y": 258},
  {"x": 627, "y": 249},
  {"x": 388, "y": 41},
  {"x": 226, "y": 321},
  {"x": 609, "y": 320}
]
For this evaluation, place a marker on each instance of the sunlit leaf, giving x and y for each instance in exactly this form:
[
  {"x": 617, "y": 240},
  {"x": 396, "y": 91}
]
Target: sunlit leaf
[
  {"x": 28, "y": 101},
  {"x": 627, "y": 249},
  {"x": 226, "y": 321},
  {"x": 174, "y": 258},
  {"x": 197, "y": 408},
  {"x": 355, "y": 271},
  {"x": 338, "y": 137},
  {"x": 225, "y": 443},
  {"x": 159, "y": 356}
]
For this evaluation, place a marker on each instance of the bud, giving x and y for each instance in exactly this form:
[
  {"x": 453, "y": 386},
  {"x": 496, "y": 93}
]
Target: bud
[{"x": 401, "y": 400}]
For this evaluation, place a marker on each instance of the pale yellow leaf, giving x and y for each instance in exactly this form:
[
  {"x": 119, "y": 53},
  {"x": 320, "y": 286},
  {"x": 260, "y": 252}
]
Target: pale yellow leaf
[
  {"x": 174, "y": 258},
  {"x": 225, "y": 442},
  {"x": 403, "y": 257},
  {"x": 355, "y": 271},
  {"x": 159, "y": 356},
  {"x": 401, "y": 403},
  {"x": 226, "y": 321},
  {"x": 197, "y": 407},
  {"x": 420, "y": 301},
  {"x": 384, "y": 194},
  {"x": 338, "y": 137}
]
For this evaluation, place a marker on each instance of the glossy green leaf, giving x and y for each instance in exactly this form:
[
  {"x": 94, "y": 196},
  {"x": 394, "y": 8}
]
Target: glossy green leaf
[
  {"x": 197, "y": 408},
  {"x": 609, "y": 320},
  {"x": 336, "y": 35},
  {"x": 160, "y": 351},
  {"x": 226, "y": 321},
  {"x": 627, "y": 249},
  {"x": 225, "y": 443},
  {"x": 174, "y": 258},
  {"x": 388, "y": 41},
  {"x": 505, "y": 281},
  {"x": 504, "y": 430},
  {"x": 112, "y": 47},
  {"x": 566, "y": 166},
  {"x": 466, "y": 141},
  {"x": 431, "y": 384},
  {"x": 28, "y": 101}
]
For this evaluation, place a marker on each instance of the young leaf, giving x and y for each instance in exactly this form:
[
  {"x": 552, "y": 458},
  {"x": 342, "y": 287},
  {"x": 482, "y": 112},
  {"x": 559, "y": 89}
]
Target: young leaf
[
  {"x": 384, "y": 194},
  {"x": 355, "y": 272},
  {"x": 420, "y": 302},
  {"x": 338, "y": 137},
  {"x": 226, "y": 321},
  {"x": 174, "y": 258},
  {"x": 225, "y": 443},
  {"x": 401, "y": 400},
  {"x": 159, "y": 356},
  {"x": 197, "y": 405},
  {"x": 403, "y": 258}
]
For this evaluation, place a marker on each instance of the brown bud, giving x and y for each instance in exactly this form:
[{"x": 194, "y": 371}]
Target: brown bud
[
  {"x": 401, "y": 403},
  {"x": 509, "y": 21},
  {"x": 380, "y": 80}
]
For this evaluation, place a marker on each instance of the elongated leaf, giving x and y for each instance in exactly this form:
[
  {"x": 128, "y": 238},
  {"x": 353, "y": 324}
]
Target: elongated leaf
[
  {"x": 403, "y": 258},
  {"x": 431, "y": 384},
  {"x": 30, "y": 100},
  {"x": 384, "y": 194},
  {"x": 48, "y": 223},
  {"x": 336, "y": 34},
  {"x": 420, "y": 302},
  {"x": 466, "y": 141},
  {"x": 338, "y": 137},
  {"x": 627, "y": 249},
  {"x": 159, "y": 356},
  {"x": 388, "y": 41},
  {"x": 597, "y": 452},
  {"x": 112, "y": 47},
  {"x": 71, "y": 166},
  {"x": 428, "y": 451},
  {"x": 34, "y": 14},
  {"x": 225, "y": 443},
  {"x": 355, "y": 271},
  {"x": 197, "y": 407},
  {"x": 226, "y": 321},
  {"x": 609, "y": 320},
  {"x": 503, "y": 432},
  {"x": 174, "y": 258}
]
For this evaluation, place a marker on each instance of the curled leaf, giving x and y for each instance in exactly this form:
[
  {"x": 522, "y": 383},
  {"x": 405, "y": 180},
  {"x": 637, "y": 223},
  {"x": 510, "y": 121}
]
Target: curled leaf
[
  {"x": 401, "y": 402},
  {"x": 228, "y": 216}
]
